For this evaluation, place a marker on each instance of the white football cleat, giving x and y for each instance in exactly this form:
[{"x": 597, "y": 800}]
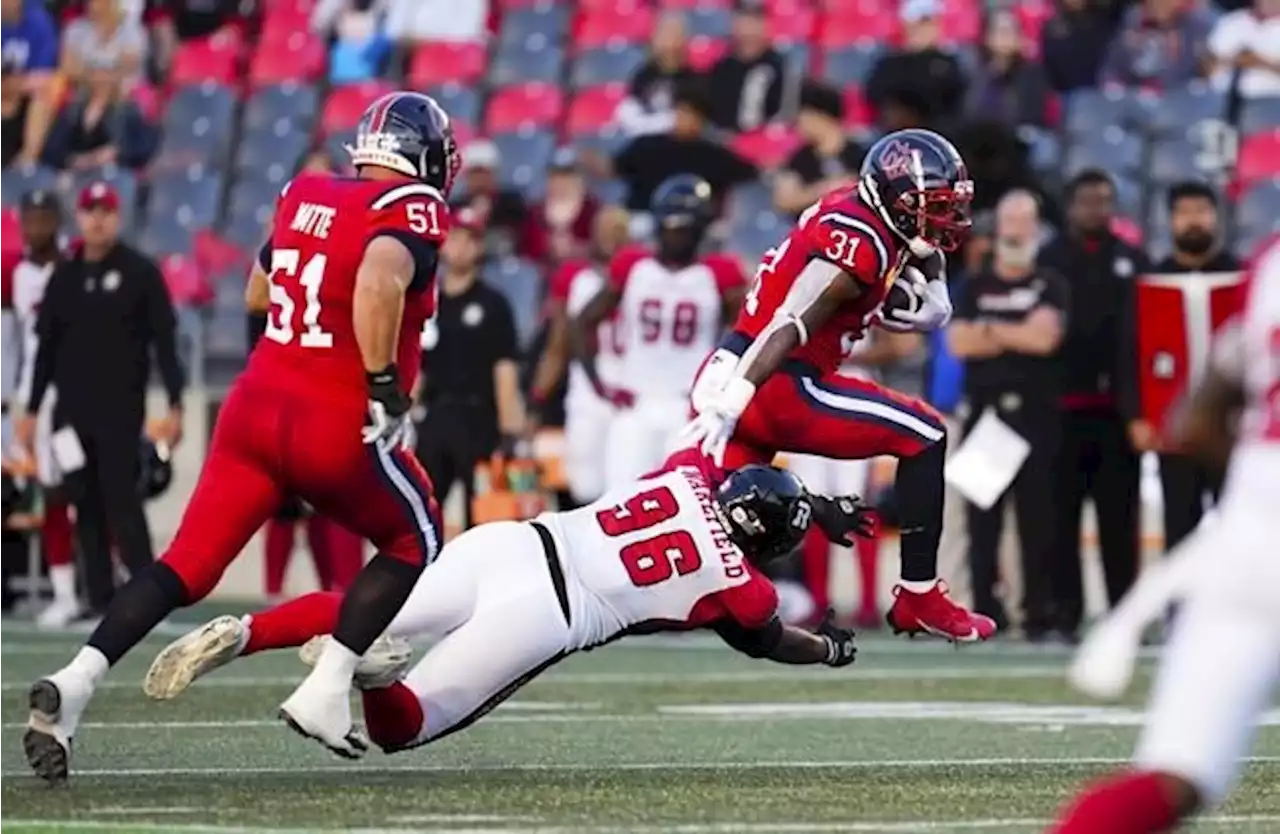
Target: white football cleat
[
  {"x": 1104, "y": 663},
  {"x": 56, "y": 703},
  {"x": 58, "y": 614},
  {"x": 322, "y": 712},
  {"x": 384, "y": 663},
  {"x": 194, "y": 654}
]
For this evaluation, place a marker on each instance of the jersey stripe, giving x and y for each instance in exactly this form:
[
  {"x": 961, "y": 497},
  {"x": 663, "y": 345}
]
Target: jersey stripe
[
  {"x": 404, "y": 192},
  {"x": 866, "y": 229}
]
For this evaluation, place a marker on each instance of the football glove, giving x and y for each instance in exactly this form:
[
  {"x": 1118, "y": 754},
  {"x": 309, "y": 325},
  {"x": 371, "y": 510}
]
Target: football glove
[
  {"x": 935, "y": 310},
  {"x": 841, "y": 650},
  {"x": 711, "y": 429},
  {"x": 843, "y": 517},
  {"x": 387, "y": 422}
]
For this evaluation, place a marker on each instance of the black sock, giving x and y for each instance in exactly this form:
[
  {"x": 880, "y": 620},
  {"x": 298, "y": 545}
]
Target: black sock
[
  {"x": 136, "y": 609},
  {"x": 373, "y": 600},
  {"x": 920, "y": 491}
]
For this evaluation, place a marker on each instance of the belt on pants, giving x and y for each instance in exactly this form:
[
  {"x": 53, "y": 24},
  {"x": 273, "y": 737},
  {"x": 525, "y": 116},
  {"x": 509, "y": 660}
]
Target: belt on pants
[{"x": 554, "y": 568}]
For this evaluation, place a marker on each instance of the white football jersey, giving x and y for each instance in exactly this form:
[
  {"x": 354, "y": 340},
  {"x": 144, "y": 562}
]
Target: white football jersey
[
  {"x": 671, "y": 319},
  {"x": 585, "y": 284},
  {"x": 645, "y": 552}
]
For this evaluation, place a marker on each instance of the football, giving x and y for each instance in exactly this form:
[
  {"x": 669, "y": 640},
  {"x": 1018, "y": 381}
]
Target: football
[{"x": 905, "y": 294}]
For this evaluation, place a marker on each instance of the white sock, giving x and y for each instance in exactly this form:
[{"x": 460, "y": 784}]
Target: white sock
[
  {"x": 90, "y": 663},
  {"x": 63, "y": 580},
  {"x": 336, "y": 662},
  {"x": 918, "y": 587}
]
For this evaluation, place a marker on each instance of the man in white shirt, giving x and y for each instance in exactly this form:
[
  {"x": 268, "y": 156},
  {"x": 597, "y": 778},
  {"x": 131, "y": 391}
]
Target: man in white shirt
[{"x": 1248, "y": 40}]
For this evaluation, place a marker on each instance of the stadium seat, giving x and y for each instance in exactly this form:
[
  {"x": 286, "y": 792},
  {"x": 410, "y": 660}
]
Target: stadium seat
[
  {"x": 518, "y": 65},
  {"x": 609, "y": 192},
  {"x": 17, "y": 180},
  {"x": 246, "y": 227},
  {"x": 607, "y": 142},
  {"x": 441, "y": 63},
  {"x": 858, "y": 112},
  {"x": 1130, "y": 197},
  {"x": 345, "y": 105},
  {"x": 750, "y": 238},
  {"x": 1089, "y": 111},
  {"x": 858, "y": 25},
  {"x": 273, "y": 154},
  {"x": 1258, "y": 114},
  {"x": 799, "y": 57},
  {"x": 1111, "y": 149},
  {"x": 599, "y": 29},
  {"x": 611, "y": 65},
  {"x": 188, "y": 286},
  {"x": 768, "y": 147},
  {"x": 1044, "y": 150},
  {"x": 707, "y": 21},
  {"x": 226, "y": 337},
  {"x": 1259, "y": 156},
  {"x": 704, "y": 52},
  {"x": 215, "y": 254},
  {"x": 550, "y": 22},
  {"x": 462, "y": 103},
  {"x": 961, "y": 23},
  {"x": 1173, "y": 160},
  {"x": 1178, "y": 112},
  {"x": 792, "y": 23},
  {"x": 748, "y": 201},
  {"x": 524, "y": 105},
  {"x": 149, "y": 100},
  {"x": 10, "y": 233},
  {"x": 198, "y": 126},
  {"x": 190, "y": 197},
  {"x": 164, "y": 234},
  {"x": 249, "y": 194},
  {"x": 525, "y": 157},
  {"x": 281, "y": 19},
  {"x": 521, "y": 283},
  {"x": 850, "y": 64},
  {"x": 1259, "y": 207},
  {"x": 268, "y": 105},
  {"x": 694, "y": 4},
  {"x": 205, "y": 59},
  {"x": 298, "y": 59},
  {"x": 592, "y": 110}
]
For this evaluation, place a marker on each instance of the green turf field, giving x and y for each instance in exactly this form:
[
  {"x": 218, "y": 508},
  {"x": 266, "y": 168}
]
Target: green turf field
[{"x": 652, "y": 736}]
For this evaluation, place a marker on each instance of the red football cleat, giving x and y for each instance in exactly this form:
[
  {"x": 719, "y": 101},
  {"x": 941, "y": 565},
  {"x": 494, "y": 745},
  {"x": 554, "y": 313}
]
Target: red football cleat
[{"x": 933, "y": 612}]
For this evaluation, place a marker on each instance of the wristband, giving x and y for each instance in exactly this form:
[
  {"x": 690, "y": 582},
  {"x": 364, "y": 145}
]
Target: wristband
[
  {"x": 832, "y": 649},
  {"x": 379, "y": 379}
]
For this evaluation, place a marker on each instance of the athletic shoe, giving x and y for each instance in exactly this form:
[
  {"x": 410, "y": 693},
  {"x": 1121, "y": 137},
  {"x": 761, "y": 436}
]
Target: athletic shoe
[
  {"x": 56, "y": 704},
  {"x": 935, "y": 613},
  {"x": 320, "y": 709},
  {"x": 58, "y": 614},
  {"x": 193, "y": 655},
  {"x": 384, "y": 663}
]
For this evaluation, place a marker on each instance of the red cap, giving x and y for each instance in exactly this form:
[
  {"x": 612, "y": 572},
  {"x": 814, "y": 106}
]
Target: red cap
[
  {"x": 470, "y": 219},
  {"x": 99, "y": 194}
]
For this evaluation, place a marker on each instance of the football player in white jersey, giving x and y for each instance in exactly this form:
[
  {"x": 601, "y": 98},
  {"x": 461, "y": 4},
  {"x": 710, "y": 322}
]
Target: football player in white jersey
[
  {"x": 670, "y": 552},
  {"x": 1222, "y": 663},
  {"x": 26, "y": 280},
  {"x": 672, "y": 304}
]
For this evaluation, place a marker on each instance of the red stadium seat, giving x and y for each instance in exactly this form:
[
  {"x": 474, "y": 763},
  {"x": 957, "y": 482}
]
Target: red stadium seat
[
  {"x": 284, "y": 20},
  {"x": 205, "y": 60},
  {"x": 1128, "y": 230},
  {"x": 188, "y": 286},
  {"x": 148, "y": 99},
  {"x": 596, "y": 30},
  {"x": 792, "y": 23},
  {"x": 704, "y": 52},
  {"x": 611, "y": 7},
  {"x": 345, "y": 105},
  {"x": 1259, "y": 157},
  {"x": 299, "y": 57},
  {"x": 862, "y": 8},
  {"x": 961, "y": 23},
  {"x": 10, "y": 234},
  {"x": 858, "y": 24},
  {"x": 593, "y": 109},
  {"x": 215, "y": 256},
  {"x": 858, "y": 112},
  {"x": 695, "y": 4},
  {"x": 463, "y": 133},
  {"x": 440, "y": 62},
  {"x": 522, "y": 106},
  {"x": 768, "y": 147}
]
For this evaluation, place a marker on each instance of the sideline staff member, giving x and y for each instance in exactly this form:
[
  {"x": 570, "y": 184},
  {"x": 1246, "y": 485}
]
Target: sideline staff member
[
  {"x": 1009, "y": 322},
  {"x": 470, "y": 379},
  {"x": 1097, "y": 461},
  {"x": 104, "y": 312},
  {"x": 1197, "y": 248}
]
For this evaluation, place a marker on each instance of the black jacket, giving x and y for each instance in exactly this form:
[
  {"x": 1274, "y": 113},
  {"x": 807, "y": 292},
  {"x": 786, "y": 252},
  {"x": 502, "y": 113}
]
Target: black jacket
[
  {"x": 1101, "y": 273},
  {"x": 97, "y": 327}
]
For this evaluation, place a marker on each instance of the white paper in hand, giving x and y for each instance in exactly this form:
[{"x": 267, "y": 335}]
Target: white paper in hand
[
  {"x": 67, "y": 450},
  {"x": 987, "y": 461}
]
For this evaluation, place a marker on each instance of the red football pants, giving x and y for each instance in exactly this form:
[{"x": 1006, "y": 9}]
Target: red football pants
[{"x": 269, "y": 442}]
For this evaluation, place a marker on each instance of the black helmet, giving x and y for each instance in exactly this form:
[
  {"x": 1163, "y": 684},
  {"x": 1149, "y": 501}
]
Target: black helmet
[
  {"x": 682, "y": 210},
  {"x": 411, "y": 134},
  {"x": 155, "y": 471},
  {"x": 919, "y": 185},
  {"x": 767, "y": 509}
]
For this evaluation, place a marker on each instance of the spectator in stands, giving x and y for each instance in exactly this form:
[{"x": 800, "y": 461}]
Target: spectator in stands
[
  {"x": 99, "y": 127},
  {"x": 1097, "y": 460},
  {"x": 747, "y": 85},
  {"x": 1074, "y": 43},
  {"x": 176, "y": 21},
  {"x": 1197, "y": 248},
  {"x": 1245, "y": 48},
  {"x": 359, "y": 48},
  {"x": 29, "y": 50},
  {"x": 106, "y": 38},
  {"x": 560, "y": 227},
  {"x": 461, "y": 21},
  {"x": 998, "y": 163},
  {"x": 827, "y": 160},
  {"x": 1162, "y": 44},
  {"x": 1007, "y": 85},
  {"x": 921, "y": 76},
  {"x": 648, "y": 160},
  {"x": 499, "y": 211},
  {"x": 650, "y": 104}
]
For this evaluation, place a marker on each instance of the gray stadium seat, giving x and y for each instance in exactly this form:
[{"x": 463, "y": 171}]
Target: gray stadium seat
[
  {"x": 198, "y": 126},
  {"x": 516, "y": 65},
  {"x": 335, "y": 144},
  {"x": 1178, "y": 112},
  {"x": 1259, "y": 114},
  {"x": 461, "y": 103},
  {"x": 521, "y": 283},
  {"x": 612, "y": 65},
  {"x": 1130, "y": 198},
  {"x": 226, "y": 336},
  {"x": 191, "y": 197},
  {"x": 797, "y": 55},
  {"x": 750, "y": 239},
  {"x": 1044, "y": 150},
  {"x": 165, "y": 234},
  {"x": 1259, "y": 208},
  {"x": 849, "y": 64},
  {"x": 608, "y": 143},
  {"x": 249, "y": 194},
  {"x": 299, "y": 103},
  {"x": 609, "y": 192},
  {"x": 246, "y": 227},
  {"x": 1173, "y": 160},
  {"x": 1111, "y": 149},
  {"x": 271, "y": 155},
  {"x": 16, "y": 181},
  {"x": 525, "y": 158},
  {"x": 746, "y": 202},
  {"x": 549, "y": 23},
  {"x": 708, "y": 22},
  {"x": 1089, "y": 112}
]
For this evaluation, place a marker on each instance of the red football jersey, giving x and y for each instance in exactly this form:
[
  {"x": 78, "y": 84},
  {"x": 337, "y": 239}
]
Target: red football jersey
[
  {"x": 842, "y": 229},
  {"x": 321, "y": 228}
]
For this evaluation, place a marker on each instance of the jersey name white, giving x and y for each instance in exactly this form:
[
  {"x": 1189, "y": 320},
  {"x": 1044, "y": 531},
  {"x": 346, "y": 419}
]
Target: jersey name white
[
  {"x": 584, "y": 287},
  {"x": 671, "y": 321},
  {"x": 646, "y": 552}
]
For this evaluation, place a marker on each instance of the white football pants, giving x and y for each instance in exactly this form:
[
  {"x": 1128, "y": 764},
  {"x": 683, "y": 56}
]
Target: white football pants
[
  {"x": 586, "y": 432},
  {"x": 490, "y": 600},
  {"x": 641, "y": 438},
  {"x": 1220, "y": 667}
]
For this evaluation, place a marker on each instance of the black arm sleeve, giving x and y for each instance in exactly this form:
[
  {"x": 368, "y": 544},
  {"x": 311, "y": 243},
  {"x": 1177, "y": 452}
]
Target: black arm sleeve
[
  {"x": 48, "y": 336},
  {"x": 257, "y": 325},
  {"x": 163, "y": 326},
  {"x": 426, "y": 254},
  {"x": 758, "y": 642}
]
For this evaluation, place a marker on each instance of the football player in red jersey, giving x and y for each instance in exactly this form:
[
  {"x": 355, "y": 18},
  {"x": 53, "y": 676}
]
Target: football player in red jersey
[
  {"x": 772, "y": 386},
  {"x": 320, "y": 412}
]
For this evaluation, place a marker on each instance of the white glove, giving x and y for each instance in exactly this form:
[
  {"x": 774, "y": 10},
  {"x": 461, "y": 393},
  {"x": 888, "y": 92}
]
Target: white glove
[
  {"x": 711, "y": 429},
  {"x": 387, "y": 431},
  {"x": 935, "y": 311}
]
